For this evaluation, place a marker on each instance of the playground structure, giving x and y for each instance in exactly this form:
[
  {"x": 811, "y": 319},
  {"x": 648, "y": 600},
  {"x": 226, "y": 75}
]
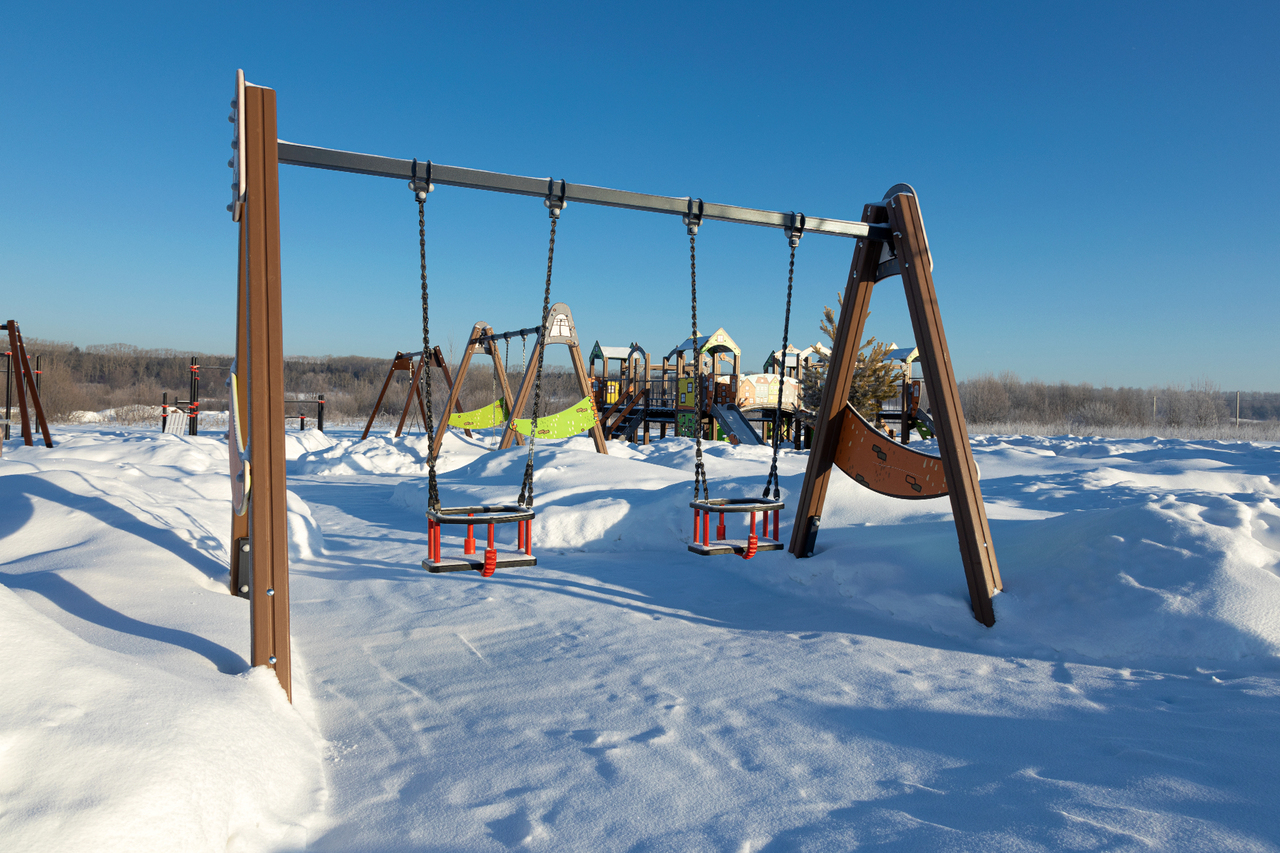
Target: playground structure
[
  {"x": 910, "y": 409},
  {"x": 890, "y": 240},
  {"x": 185, "y": 414},
  {"x": 404, "y": 361},
  {"x": 736, "y": 407},
  {"x": 505, "y": 412},
  {"x": 19, "y": 377}
]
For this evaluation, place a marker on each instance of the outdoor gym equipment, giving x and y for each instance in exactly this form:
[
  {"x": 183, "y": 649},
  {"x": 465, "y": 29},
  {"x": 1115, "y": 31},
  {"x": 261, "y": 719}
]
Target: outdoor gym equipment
[{"x": 890, "y": 241}]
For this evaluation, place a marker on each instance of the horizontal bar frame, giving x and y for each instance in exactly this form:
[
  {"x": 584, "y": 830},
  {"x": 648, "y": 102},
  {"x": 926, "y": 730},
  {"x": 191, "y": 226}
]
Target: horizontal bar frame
[{"x": 332, "y": 159}]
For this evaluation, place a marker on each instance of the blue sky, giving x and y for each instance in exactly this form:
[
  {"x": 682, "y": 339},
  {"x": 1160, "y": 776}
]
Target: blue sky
[{"x": 1098, "y": 180}]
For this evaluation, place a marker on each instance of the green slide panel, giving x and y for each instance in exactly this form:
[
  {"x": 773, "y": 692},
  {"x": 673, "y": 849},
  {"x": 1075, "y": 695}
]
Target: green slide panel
[
  {"x": 579, "y": 417},
  {"x": 492, "y": 415}
]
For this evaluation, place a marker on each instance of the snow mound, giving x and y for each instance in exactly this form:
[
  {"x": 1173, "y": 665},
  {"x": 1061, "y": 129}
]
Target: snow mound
[
  {"x": 305, "y": 441},
  {"x": 306, "y": 541},
  {"x": 104, "y": 751}
]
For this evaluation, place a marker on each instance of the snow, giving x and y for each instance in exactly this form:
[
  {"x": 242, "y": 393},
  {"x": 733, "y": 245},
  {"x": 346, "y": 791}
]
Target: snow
[{"x": 625, "y": 694}]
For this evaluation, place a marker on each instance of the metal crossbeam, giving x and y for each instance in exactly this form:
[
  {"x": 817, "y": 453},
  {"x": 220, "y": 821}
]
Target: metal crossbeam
[
  {"x": 478, "y": 179},
  {"x": 506, "y": 336}
]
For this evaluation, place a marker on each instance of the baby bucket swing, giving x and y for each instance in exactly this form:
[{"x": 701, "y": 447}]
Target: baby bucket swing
[
  {"x": 764, "y": 506},
  {"x": 521, "y": 513}
]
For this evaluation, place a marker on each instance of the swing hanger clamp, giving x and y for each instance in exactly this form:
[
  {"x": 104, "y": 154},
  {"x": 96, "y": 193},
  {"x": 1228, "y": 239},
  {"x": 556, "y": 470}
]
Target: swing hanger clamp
[
  {"x": 421, "y": 186},
  {"x": 555, "y": 200},
  {"x": 693, "y": 218},
  {"x": 795, "y": 229}
]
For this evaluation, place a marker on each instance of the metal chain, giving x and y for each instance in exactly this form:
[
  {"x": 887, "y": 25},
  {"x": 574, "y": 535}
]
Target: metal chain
[
  {"x": 782, "y": 376},
  {"x": 526, "y": 487},
  {"x": 699, "y": 469},
  {"x": 433, "y": 489}
]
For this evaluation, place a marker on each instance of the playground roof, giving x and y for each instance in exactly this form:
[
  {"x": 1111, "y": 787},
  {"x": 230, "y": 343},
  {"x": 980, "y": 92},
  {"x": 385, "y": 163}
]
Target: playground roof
[
  {"x": 794, "y": 356},
  {"x": 904, "y": 354},
  {"x": 712, "y": 344},
  {"x": 600, "y": 351}
]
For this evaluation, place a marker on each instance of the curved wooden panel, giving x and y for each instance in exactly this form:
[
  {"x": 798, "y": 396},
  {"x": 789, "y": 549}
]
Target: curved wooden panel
[{"x": 882, "y": 465}]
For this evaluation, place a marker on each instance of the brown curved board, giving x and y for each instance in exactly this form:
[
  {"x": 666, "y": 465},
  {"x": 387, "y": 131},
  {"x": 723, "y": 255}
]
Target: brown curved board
[{"x": 882, "y": 465}]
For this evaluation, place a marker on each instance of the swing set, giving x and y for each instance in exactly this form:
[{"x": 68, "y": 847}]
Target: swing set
[{"x": 890, "y": 240}]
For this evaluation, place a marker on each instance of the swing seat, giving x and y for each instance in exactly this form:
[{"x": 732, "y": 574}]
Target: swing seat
[
  {"x": 704, "y": 546},
  {"x": 492, "y": 559}
]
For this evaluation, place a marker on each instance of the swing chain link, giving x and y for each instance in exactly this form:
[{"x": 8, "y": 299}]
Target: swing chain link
[
  {"x": 699, "y": 469},
  {"x": 554, "y": 206},
  {"x": 433, "y": 489},
  {"x": 794, "y": 232}
]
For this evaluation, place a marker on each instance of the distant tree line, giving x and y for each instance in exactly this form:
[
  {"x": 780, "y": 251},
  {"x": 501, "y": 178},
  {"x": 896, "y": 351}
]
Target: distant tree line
[
  {"x": 124, "y": 377},
  {"x": 991, "y": 398}
]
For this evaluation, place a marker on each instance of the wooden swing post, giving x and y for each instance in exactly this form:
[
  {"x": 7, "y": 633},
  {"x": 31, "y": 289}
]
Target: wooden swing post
[{"x": 905, "y": 252}]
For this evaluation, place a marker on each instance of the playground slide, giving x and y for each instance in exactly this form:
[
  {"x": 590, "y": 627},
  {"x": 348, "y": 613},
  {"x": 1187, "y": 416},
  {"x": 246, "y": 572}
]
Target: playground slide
[{"x": 733, "y": 423}]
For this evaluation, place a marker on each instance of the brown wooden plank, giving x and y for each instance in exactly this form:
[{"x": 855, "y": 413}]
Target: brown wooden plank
[
  {"x": 413, "y": 394},
  {"x": 522, "y": 396},
  {"x": 386, "y": 383},
  {"x": 584, "y": 385},
  {"x": 477, "y": 331},
  {"x": 438, "y": 361},
  {"x": 269, "y": 595},
  {"x": 18, "y": 364},
  {"x": 976, "y": 548},
  {"x": 844, "y": 356},
  {"x": 34, "y": 393}
]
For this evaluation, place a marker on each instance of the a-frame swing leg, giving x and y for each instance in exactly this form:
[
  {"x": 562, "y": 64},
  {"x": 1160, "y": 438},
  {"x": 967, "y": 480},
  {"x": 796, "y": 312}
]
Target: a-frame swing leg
[
  {"x": 386, "y": 383},
  {"x": 414, "y": 393},
  {"x": 478, "y": 331},
  {"x": 976, "y": 548},
  {"x": 977, "y": 552},
  {"x": 500, "y": 370},
  {"x": 584, "y": 385},
  {"x": 522, "y": 396},
  {"x": 437, "y": 360}
]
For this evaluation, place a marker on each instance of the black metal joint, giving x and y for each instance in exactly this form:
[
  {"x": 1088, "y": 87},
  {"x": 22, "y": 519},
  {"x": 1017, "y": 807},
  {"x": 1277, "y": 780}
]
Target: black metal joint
[
  {"x": 421, "y": 186},
  {"x": 795, "y": 229},
  {"x": 693, "y": 218},
  {"x": 554, "y": 201}
]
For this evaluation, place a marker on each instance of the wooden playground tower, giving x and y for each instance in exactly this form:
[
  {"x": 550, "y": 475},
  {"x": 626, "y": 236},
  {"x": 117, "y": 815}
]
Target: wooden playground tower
[{"x": 890, "y": 240}]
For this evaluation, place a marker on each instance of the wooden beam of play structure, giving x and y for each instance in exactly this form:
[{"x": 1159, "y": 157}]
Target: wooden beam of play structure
[
  {"x": 482, "y": 340},
  {"x": 911, "y": 259},
  {"x": 405, "y": 361},
  {"x": 24, "y": 382},
  {"x": 260, "y": 371}
]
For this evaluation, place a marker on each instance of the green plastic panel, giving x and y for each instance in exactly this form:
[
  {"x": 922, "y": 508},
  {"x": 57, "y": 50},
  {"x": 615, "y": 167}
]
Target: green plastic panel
[
  {"x": 492, "y": 415},
  {"x": 579, "y": 417}
]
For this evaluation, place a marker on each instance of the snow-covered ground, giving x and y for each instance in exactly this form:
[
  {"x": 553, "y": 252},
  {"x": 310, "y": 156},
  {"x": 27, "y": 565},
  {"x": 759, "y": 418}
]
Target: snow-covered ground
[{"x": 626, "y": 694}]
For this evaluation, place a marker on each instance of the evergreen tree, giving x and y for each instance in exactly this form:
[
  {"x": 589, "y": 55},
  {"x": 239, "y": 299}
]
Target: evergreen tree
[{"x": 874, "y": 378}]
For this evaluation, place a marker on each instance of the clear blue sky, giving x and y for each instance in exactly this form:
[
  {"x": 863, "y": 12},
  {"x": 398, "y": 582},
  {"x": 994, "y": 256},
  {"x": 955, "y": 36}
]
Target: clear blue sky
[{"x": 1098, "y": 180}]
